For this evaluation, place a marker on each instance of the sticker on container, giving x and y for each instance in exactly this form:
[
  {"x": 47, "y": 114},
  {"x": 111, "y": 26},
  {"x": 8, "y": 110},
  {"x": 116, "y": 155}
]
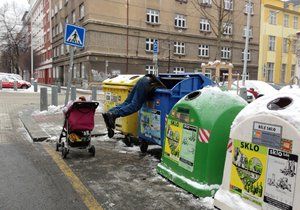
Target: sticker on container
[
  {"x": 150, "y": 124},
  {"x": 108, "y": 96},
  {"x": 267, "y": 135},
  {"x": 281, "y": 179},
  {"x": 173, "y": 139},
  {"x": 188, "y": 148},
  {"x": 248, "y": 170}
]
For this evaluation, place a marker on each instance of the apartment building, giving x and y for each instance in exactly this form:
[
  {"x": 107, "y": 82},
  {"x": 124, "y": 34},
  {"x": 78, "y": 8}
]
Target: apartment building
[
  {"x": 279, "y": 24},
  {"x": 41, "y": 40},
  {"x": 120, "y": 36}
]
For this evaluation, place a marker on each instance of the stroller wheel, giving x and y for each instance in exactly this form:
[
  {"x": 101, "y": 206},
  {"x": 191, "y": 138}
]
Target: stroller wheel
[
  {"x": 92, "y": 150},
  {"x": 64, "y": 152},
  {"x": 57, "y": 146},
  {"x": 143, "y": 146}
]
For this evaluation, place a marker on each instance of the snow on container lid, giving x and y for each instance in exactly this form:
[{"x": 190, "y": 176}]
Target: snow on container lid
[
  {"x": 123, "y": 79},
  {"x": 284, "y": 104}
]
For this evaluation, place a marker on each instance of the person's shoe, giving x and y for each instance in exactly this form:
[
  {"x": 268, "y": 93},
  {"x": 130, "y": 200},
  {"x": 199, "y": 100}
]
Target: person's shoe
[
  {"x": 110, "y": 133},
  {"x": 109, "y": 120}
]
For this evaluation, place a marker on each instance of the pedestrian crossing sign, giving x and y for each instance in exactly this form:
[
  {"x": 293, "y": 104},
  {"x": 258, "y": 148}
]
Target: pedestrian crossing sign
[{"x": 74, "y": 35}]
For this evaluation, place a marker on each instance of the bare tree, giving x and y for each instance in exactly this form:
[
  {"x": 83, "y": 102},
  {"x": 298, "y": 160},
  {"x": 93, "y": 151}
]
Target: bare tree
[
  {"x": 10, "y": 38},
  {"x": 220, "y": 14}
]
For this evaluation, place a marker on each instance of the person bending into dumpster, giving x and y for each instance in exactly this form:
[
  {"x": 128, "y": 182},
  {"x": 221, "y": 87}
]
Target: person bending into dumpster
[{"x": 142, "y": 90}]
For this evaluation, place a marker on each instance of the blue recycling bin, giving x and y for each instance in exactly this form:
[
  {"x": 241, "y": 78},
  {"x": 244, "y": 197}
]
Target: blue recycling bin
[{"x": 154, "y": 112}]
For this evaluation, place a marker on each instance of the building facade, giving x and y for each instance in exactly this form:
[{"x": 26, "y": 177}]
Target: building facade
[
  {"x": 279, "y": 24},
  {"x": 120, "y": 36},
  {"x": 41, "y": 40}
]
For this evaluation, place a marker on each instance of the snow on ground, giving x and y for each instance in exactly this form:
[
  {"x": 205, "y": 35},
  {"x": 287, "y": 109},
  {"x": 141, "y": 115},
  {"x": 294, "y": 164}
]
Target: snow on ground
[{"x": 51, "y": 110}]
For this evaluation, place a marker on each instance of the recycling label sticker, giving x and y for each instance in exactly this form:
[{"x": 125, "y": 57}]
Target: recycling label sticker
[
  {"x": 267, "y": 135},
  {"x": 281, "y": 179}
]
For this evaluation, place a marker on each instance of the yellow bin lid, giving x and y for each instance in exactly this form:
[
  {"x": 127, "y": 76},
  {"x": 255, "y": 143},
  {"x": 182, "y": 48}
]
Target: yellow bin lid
[{"x": 123, "y": 79}]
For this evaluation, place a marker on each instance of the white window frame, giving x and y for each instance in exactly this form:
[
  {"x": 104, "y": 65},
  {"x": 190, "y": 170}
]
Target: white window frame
[
  {"x": 205, "y": 25},
  {"x": 179, "y": 70},
  {"x": 67, "y": 19},
  {"x": 62, "y": 49},
  {"x": 73, "y": 17},
  {"x": 150, "y": 69},
  {"x": 286, "y": 18},
  {"x": 293, "y": 69},
  {"x": 250, "y": 32},
  {"x": 285, "y": 44},
  {"x": 295, "y": 22},
  {"x": 205, "y": 2},
  {"x": 81, "y": 10},
  {"x": 248, "y": 55},
  {"x": 227, "y": 28},
  {"x": 270, "y": 72},
  {"x": 150, "y": 44},
  {"x": 203, "y": 50},
  {"x": 180, "y": 21},
  {"x": 228, "y": 4},
  {"x": 225, "y": 53},
  {"x": 152, "y": 16},
  {"x": 251, "y": 8},
  {"x": 272, "y": 42},
  {"x": 179, "y": 48},
  {"x": 273, "y": 17},
  {"x": 82, "y": 70}
]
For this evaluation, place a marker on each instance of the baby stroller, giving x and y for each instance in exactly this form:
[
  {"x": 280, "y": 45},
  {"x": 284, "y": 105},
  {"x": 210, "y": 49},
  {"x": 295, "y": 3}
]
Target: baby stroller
[{"x": 78, "y": 125}]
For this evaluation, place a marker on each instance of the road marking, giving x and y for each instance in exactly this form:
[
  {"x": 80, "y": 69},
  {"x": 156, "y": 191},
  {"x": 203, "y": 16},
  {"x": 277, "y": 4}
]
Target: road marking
[{"x": 78, "y": 186}]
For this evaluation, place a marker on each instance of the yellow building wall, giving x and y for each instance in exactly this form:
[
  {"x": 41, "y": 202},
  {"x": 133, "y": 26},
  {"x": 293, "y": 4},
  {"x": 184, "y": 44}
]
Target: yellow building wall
[{"x": 278, "y": 57}]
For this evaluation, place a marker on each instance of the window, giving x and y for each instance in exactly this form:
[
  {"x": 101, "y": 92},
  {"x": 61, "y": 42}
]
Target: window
[
  {"x": 60, "y": 28},
  {"x": 271, "y": 43},
  {"x": 60, "y": 4},
  {"x": 286, "y": 20},
  {"x": 73, "y": 16},
  {"x": 293, "y": 70},
  {"x": 149, "y": 44},
  {"x": 225, "y": 53},
  {"x": 82, "y": 70},
  {"x": 53, "y": 31},
  {"x": 294, "y": 46},
  {"x": 282, "y": 77},
  {"x": 150, "y": 69},
  {"x": 227, "y": 28},
  {"x": 295, "y": 23},
  {"x": 56, "y": 29},
  {"x": 270, "y": 70},
  {"x": 178, "y": 70},
  {"x": 74, "y": 71},
  {"x": 66, "y": 20},
  {"x": 68, "y": 48},
  {"x": 205, "y": 2},
  {"x": 204, "y": 25},
  {"x": 182, "y": 1},
  {"x": 203, "y": 51},
  {"x": 180, "y": 21},
  {"x": 250, "y": 31},
  {"x": 152, "y": 16},
  {"x": 66, "y": 2},
  {"x": 228, "y": 4},
  {"x": 81, "y": 11},
  {"x": 272, "y": 17},
  {"x": 248, "y": 55},
  {"x": 62, "y": 49},
  {"x": 249, "y": 8},
  {"x": 285, "y": 45},
  {"x": 179, "y": 48},
  {"x": 55, "y": 9}
]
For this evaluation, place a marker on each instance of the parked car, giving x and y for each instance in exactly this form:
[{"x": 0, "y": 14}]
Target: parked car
[
  {"x": 261, "y": 87},
  {"x": 8, "y": 82}
]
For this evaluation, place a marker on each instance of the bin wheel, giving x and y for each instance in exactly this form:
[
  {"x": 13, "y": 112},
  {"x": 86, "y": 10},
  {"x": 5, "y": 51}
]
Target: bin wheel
[
  {"x": 92, "y": 150},
  {"x": 57, "y": 146},
  {"x": 64, "y": 152},
  {"x": 143, "y": 146},
  {"x": 128, "y": 141}
]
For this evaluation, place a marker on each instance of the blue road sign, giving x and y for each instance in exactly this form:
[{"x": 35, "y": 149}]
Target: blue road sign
[
  {"x": 155, "y": 47},
  {"x": 74, "y": 36}
]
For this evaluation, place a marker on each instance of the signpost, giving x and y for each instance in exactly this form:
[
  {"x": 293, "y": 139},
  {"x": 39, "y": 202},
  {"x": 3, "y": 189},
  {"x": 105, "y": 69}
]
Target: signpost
[
  {"x": 74, "y": 36},
  {"x": 155, "y": 57}
]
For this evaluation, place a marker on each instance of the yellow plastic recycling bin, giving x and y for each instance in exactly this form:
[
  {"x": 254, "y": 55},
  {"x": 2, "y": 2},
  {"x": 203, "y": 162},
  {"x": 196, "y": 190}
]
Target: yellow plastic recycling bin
[
  {"x": 262, "y": 169},
  {"x": 116, "y": 91}
]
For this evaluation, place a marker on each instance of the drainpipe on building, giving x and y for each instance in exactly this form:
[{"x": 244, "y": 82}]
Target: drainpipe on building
[
  {"x": 246, "y": 43},
  {"x": 127, "y": 32}
]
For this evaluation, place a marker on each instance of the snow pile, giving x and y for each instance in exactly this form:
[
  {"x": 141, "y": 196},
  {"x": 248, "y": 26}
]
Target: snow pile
[
  {"x": 259, "y": 106},
  {"x": 232, "y": 200},
  {"x": 51, "y": 110}
]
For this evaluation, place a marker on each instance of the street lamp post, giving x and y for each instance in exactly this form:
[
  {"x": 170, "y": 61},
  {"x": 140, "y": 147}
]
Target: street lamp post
[{"x": 246, "y": 43}]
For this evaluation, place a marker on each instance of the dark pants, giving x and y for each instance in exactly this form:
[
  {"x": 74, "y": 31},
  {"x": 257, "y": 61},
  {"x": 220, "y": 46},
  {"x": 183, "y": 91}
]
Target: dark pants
[{"x": 134, "y": 101}]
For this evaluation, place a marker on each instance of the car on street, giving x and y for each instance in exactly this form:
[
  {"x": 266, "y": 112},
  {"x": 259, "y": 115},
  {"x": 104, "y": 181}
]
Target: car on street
[{"x": 8, "y": 82}]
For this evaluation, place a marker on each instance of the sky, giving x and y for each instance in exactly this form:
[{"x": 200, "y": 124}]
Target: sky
[{"x": 21, "y": 3}]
